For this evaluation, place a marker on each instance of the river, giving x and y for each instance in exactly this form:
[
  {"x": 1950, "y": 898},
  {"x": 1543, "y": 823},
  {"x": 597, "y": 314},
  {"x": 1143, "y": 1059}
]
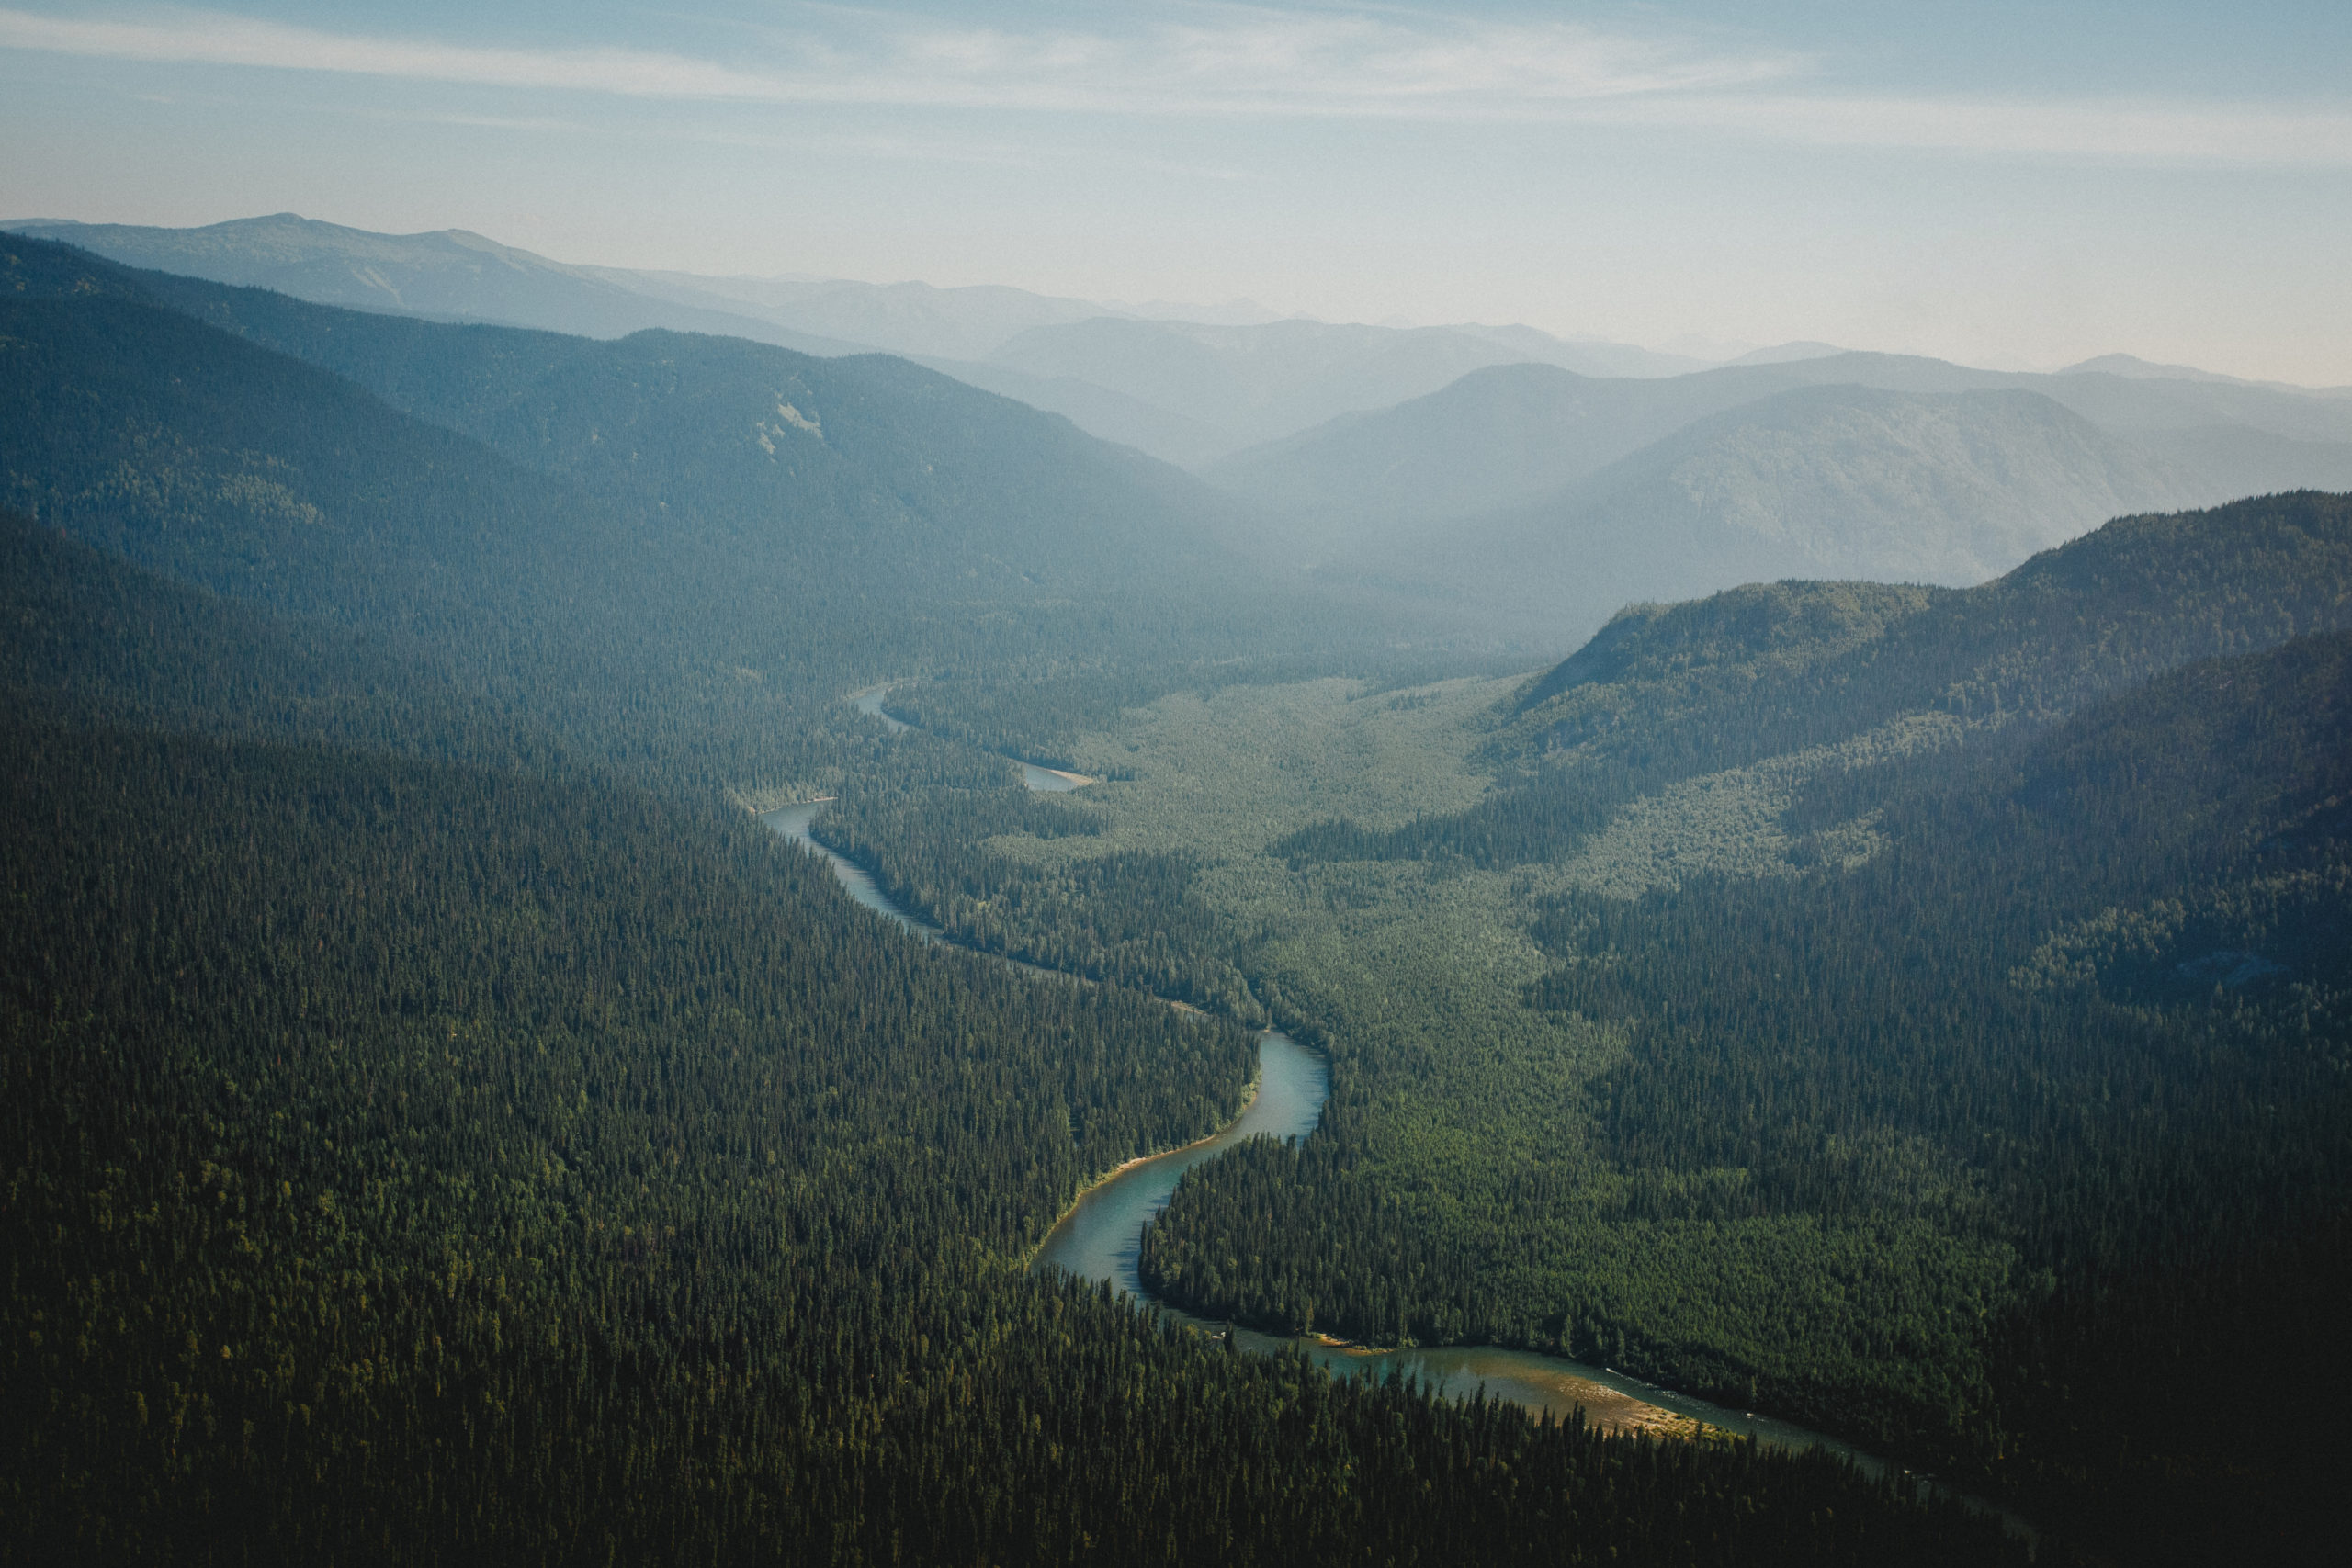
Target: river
[
  {"x": 1047, "y": 781},
  {"x": 792, "y": 821},
  {"x": 1101, "y": 1237}
]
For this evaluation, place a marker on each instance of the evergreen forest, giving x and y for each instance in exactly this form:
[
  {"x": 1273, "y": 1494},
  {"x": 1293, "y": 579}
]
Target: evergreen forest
[{"x": 444, "y": 1125}]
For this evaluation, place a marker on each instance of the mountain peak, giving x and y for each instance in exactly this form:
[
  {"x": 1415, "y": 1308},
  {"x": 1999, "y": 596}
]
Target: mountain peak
[
  {"x": 1788, "y": 353},
  {"x": 2139, "y": 369}
]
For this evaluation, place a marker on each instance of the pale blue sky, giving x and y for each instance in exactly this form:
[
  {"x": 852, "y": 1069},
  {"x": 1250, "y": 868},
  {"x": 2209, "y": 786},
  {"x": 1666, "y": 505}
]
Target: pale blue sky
[{"x": 1997, "y": 183}]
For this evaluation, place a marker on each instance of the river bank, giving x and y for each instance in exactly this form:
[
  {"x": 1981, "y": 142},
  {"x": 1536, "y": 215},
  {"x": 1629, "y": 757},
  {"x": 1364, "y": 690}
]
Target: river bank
[
  {"x": 1100, "y": 1237},
  {"x": 1035, "y": 776},
  {"x": 1248, "y": 1102}
]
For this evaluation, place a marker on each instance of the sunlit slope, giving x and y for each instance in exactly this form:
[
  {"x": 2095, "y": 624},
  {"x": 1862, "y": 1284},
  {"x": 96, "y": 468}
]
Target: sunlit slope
[
  {"x": 1667, "y": 693},
  {"x": 1814, "y": 662},
  {"x": 1994, "y": 1040},
  {"x": 1960, "y": 991}
]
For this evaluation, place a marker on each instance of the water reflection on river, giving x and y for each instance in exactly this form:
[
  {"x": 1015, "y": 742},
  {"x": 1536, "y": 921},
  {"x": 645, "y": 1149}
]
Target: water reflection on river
[
  {"x": 793, "y": 823},
  {"x": 1044, "y": 781},
  {"x": 1101, "y": 1237},
  {"x": 869, "y": 701}
]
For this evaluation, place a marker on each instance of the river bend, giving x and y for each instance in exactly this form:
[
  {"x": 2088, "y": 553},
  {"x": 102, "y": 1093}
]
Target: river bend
[{"x": 1101, "y": 1235}]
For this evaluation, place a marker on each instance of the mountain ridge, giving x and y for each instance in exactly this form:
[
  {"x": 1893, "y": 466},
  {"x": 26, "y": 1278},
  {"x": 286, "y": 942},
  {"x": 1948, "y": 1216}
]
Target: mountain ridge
[
  {"x": 1393, "y": 462},
  {"x": 459, "y": 275}
]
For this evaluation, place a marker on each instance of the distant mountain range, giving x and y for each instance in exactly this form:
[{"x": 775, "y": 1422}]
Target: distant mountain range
[
  {"x": 663, "y": 525},
  {"x": 1846, "y": 481},
  {"x": 1786, "y": 353},
  {"x": 1251, "y": 383},
  {"x": 1506, "y": 434},
  {"x": 2138, "y": 369},
  {"x": 1537, "y": 492},
  {"x": 1487, "y": 475},
  {"x": 448, "y": 275},
  {"x": 1184, "y": 391}
]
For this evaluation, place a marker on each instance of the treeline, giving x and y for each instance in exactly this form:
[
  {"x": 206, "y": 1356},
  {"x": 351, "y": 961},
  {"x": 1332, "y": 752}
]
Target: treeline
[
  {"x": 1037, "y": 713},
  {"x": 408, "y": 1161},
  {"x": 1130, "y": 916}
]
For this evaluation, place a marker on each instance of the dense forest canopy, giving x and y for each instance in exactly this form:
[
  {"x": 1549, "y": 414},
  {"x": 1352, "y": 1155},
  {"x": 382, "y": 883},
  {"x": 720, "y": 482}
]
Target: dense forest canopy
[
  {"x": 1913, "y": 976},
  {"x": 443, "y": 1123}
]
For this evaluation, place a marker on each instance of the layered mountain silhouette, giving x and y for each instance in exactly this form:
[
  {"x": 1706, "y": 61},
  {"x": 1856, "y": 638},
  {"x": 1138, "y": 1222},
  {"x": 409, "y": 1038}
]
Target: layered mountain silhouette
[
  {"x": 661, "y": 522},
  {"x": 1259, "y": 382},
  {"x": 1523, "y": 486},
  {"x": 1509, "y": 433},
  {"x": 1842, "y": 481},
  {"x": 449, "y": 274},
  {"x": 1184, "y": 391},
  {"x": 1487, "y": 475}
]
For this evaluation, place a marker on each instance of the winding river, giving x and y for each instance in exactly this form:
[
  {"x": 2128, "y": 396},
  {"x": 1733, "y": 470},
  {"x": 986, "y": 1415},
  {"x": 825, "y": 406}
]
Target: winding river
[
  {"x": 1047, "y": 780},
  {"x": 1101, "y": 1235}
]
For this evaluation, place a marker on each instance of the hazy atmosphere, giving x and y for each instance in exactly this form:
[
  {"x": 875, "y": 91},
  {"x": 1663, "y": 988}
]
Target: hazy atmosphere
[
  {"x": 1117, "y": 785},
  {"x": 2008, "y": 184}
]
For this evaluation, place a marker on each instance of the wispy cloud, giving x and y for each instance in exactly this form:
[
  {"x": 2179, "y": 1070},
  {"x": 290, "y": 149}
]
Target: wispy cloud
[
  {"x": 988, "y": 153},
  {"x": 1227, "y": 59},
  {"x": 2110, "y": 129},
  {"x": 215, "y": 39},
  {"x": 1213, "y": 59},
  {"x": 1233, "y": 57}
]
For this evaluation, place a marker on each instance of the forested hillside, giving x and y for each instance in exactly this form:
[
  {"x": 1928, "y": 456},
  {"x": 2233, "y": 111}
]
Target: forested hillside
[
  {"x": 1916, "y": 1011},
  {"x": 2073, "y": 1025},
  {"x": 1668, "y": 693},
  {"x": 894, "y": 476},
  {"x": 630, "y": 542},
  {"x": 440, "y": 1128},
  {"x": 92, "y": 638}
]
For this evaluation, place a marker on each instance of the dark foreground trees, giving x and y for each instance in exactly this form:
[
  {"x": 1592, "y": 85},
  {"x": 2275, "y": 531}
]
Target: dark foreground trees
[{"x": 408, "y": 1162}]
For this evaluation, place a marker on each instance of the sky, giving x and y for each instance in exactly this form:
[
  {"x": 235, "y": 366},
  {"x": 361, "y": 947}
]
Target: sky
[{"x": 2011, "y": 185}]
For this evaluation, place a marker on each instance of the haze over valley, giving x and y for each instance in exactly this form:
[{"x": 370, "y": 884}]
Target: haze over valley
[
  {"x": 1530, "y": 484},
  {"x": 1636, "y": 852}
]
